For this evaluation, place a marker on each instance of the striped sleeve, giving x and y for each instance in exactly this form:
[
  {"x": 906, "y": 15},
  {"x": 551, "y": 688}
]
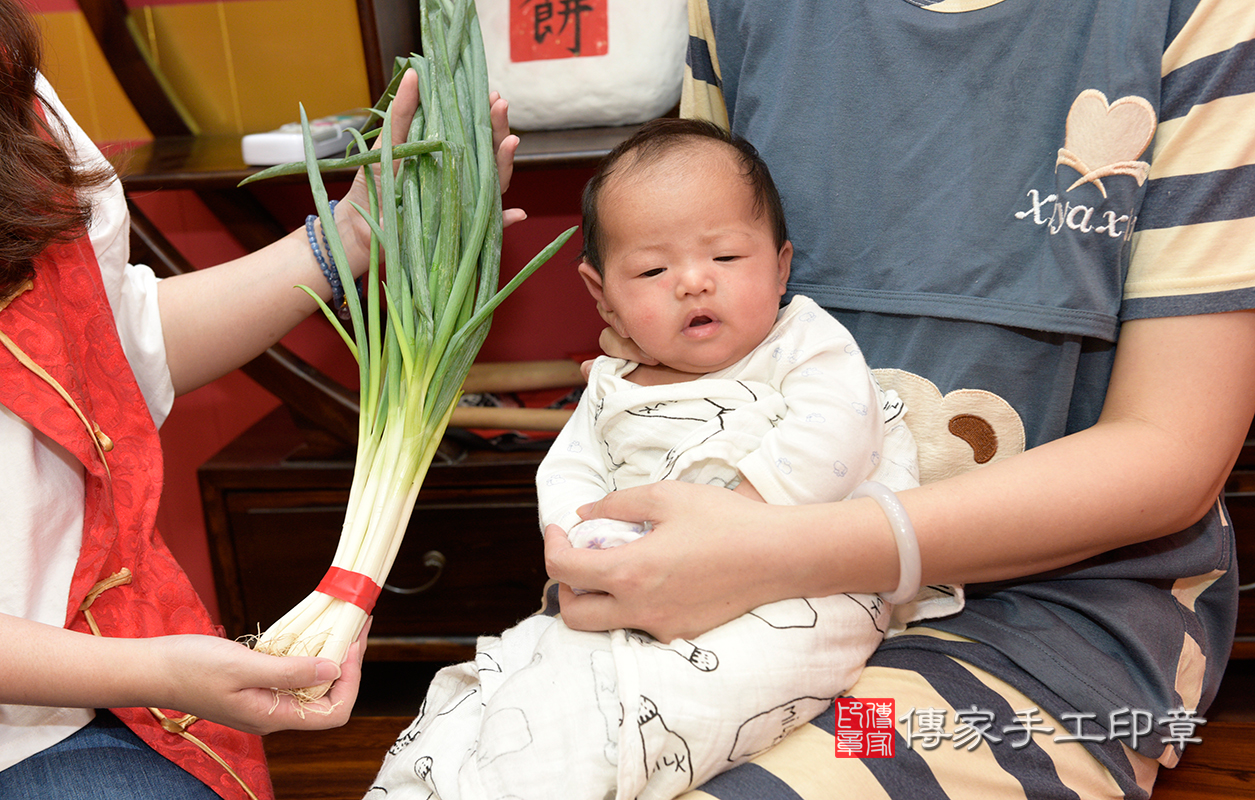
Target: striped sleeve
[
  {"x": 702, "y": 95},
  {"x": 1194, "y": 247}
]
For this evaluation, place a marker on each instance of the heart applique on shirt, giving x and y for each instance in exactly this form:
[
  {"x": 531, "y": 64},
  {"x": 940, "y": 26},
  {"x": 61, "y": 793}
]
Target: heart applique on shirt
[{"x": 1105, "y": 139}]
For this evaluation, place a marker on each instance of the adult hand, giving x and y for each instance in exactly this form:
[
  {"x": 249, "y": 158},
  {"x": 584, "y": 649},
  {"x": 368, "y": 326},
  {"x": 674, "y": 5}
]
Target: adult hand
[
  {"x": 612, "y": 344},
  {"x": 505, "y": 144},
  {"x": 355, "y": 231},
  {"x": 226, "y": 682},
  {"x": 615, "y": 346},
  {"x": 404, "y": 105},
  {"x": 709, "y": 558}
]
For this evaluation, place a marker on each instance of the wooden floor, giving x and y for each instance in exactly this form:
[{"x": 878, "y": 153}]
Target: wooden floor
[
  {"x": 340, "y": 764},
  {"x": 331, "y": 765},
  {"x": 1222, "y": 766}
]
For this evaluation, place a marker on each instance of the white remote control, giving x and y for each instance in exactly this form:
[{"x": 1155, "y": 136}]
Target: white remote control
[{"x": 283, "y": 145}]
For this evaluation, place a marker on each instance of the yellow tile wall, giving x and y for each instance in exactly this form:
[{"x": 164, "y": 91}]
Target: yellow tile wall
[
  {"x": 78, "y": 71},
  {"x": 236, "y": 67}
]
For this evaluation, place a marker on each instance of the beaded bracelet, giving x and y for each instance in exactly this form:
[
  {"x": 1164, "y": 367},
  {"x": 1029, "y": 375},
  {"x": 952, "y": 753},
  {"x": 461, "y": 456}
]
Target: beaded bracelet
[
  {"x": 327, "y": 264},
  {"x": 909, "y": 568}
]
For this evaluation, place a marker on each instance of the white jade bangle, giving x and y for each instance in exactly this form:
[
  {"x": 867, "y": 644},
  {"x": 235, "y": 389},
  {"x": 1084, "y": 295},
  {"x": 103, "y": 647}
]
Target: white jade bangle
[{"x": 909, "y": 568}]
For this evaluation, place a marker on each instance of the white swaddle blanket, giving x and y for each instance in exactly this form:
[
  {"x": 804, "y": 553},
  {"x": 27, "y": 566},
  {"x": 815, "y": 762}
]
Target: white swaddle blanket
[{"x": 547, "y": 712}]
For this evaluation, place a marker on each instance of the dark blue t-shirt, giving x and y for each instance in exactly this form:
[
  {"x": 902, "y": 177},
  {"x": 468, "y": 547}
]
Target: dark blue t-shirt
[{"x": 982, "y": 198}]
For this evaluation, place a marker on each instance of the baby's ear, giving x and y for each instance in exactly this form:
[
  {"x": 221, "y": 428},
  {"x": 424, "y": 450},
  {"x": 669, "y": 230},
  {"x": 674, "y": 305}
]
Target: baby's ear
[
  {"x": 596, "y": 287},
  {"x": 592, "y": 280},
  {"x": 784, "y": 261}
]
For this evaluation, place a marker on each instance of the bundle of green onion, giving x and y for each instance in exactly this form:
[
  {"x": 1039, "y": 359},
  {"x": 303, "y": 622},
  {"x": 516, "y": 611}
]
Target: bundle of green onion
[{"x": 436, "y": 216}]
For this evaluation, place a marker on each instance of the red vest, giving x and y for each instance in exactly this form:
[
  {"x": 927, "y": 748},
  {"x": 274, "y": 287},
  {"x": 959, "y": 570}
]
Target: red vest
[{"x": 65, "y": 325}]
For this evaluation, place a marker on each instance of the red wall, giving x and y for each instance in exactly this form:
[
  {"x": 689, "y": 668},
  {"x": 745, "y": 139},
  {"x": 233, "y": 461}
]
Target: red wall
[{"x": 550, "y": 316}]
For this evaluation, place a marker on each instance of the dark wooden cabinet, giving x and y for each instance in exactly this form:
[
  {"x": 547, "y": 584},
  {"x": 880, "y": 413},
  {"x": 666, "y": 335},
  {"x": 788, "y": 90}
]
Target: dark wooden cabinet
[
  {"x": 1240, "y": 500},
  {"x": 1241, "y": 505},
  {"x": 471, "y": 563}
]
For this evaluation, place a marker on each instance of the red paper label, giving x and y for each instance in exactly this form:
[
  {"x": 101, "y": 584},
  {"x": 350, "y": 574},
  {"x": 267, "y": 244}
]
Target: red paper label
[
  {"x": 865, "y": 727},
  {"x": 558, "y": 29},
  {"x": 351, "y": 587}
]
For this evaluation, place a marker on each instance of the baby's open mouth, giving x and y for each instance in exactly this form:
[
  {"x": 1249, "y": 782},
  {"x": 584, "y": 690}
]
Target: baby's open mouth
[{"x": 700, "y": 320}]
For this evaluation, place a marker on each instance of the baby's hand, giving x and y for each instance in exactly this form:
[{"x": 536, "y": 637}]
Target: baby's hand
[{"x": 600, "y": 534}]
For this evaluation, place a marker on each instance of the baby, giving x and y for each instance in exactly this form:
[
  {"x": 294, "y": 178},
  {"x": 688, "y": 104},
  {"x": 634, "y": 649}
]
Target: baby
[{"x": 687, "y": 255}]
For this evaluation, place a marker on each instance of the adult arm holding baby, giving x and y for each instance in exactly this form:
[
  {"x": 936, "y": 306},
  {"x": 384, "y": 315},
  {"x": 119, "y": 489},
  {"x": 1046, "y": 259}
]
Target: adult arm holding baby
[
  {"x": 987, "y": 246},
  {"x": 1151, "y": 466}
]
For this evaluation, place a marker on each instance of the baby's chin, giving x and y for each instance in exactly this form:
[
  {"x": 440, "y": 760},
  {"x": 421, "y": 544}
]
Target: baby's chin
[{"x": 702, "y": 366}]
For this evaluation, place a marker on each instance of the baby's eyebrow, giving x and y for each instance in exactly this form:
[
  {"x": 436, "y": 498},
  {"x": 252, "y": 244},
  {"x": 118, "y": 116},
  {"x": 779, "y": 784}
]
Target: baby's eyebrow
[
  {"x": 640, "y": 257},
  {"x": 718, "y": 237}
]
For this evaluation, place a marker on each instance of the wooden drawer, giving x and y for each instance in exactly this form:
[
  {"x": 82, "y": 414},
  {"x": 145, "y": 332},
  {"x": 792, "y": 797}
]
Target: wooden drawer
[{"x": 471, "y": 563}]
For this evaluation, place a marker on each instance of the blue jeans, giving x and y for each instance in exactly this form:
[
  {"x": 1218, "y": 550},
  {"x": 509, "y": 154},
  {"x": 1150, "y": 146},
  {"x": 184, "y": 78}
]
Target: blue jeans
[{"x": 103, "y": 761}]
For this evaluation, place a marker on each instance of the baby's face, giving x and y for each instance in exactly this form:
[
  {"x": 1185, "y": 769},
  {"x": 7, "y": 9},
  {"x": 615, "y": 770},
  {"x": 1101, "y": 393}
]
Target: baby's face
[{"x": 692, "y": 272}]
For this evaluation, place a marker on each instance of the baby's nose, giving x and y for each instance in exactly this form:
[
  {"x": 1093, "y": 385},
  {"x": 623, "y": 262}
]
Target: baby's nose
[{"x": 695, "y": 279}]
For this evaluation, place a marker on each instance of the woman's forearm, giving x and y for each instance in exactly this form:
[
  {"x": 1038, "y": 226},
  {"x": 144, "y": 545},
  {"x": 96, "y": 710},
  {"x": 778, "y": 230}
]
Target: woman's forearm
[
  {"x": 215, "y": 320},
  {"x": 48, "y": 666},
  {"x": 212, "y": 678},
  {"x": 1177, "y": 412}
]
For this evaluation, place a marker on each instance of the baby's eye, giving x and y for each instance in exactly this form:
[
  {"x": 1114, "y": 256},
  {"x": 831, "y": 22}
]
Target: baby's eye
[
  {"x": 650, "y": 273},
  {"x": 726, "y": 258}
]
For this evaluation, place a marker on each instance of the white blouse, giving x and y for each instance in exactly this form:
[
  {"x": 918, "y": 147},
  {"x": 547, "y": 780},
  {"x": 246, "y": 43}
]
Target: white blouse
[{"x": 42, "y": 494}]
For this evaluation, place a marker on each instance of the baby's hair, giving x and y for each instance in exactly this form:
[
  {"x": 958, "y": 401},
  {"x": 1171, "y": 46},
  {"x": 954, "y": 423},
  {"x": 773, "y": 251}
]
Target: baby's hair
[{"x": 660, "y": 137}]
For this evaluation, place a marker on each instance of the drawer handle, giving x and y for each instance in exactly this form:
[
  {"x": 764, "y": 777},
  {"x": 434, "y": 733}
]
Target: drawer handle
[{"x": 432, "y": 559}]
